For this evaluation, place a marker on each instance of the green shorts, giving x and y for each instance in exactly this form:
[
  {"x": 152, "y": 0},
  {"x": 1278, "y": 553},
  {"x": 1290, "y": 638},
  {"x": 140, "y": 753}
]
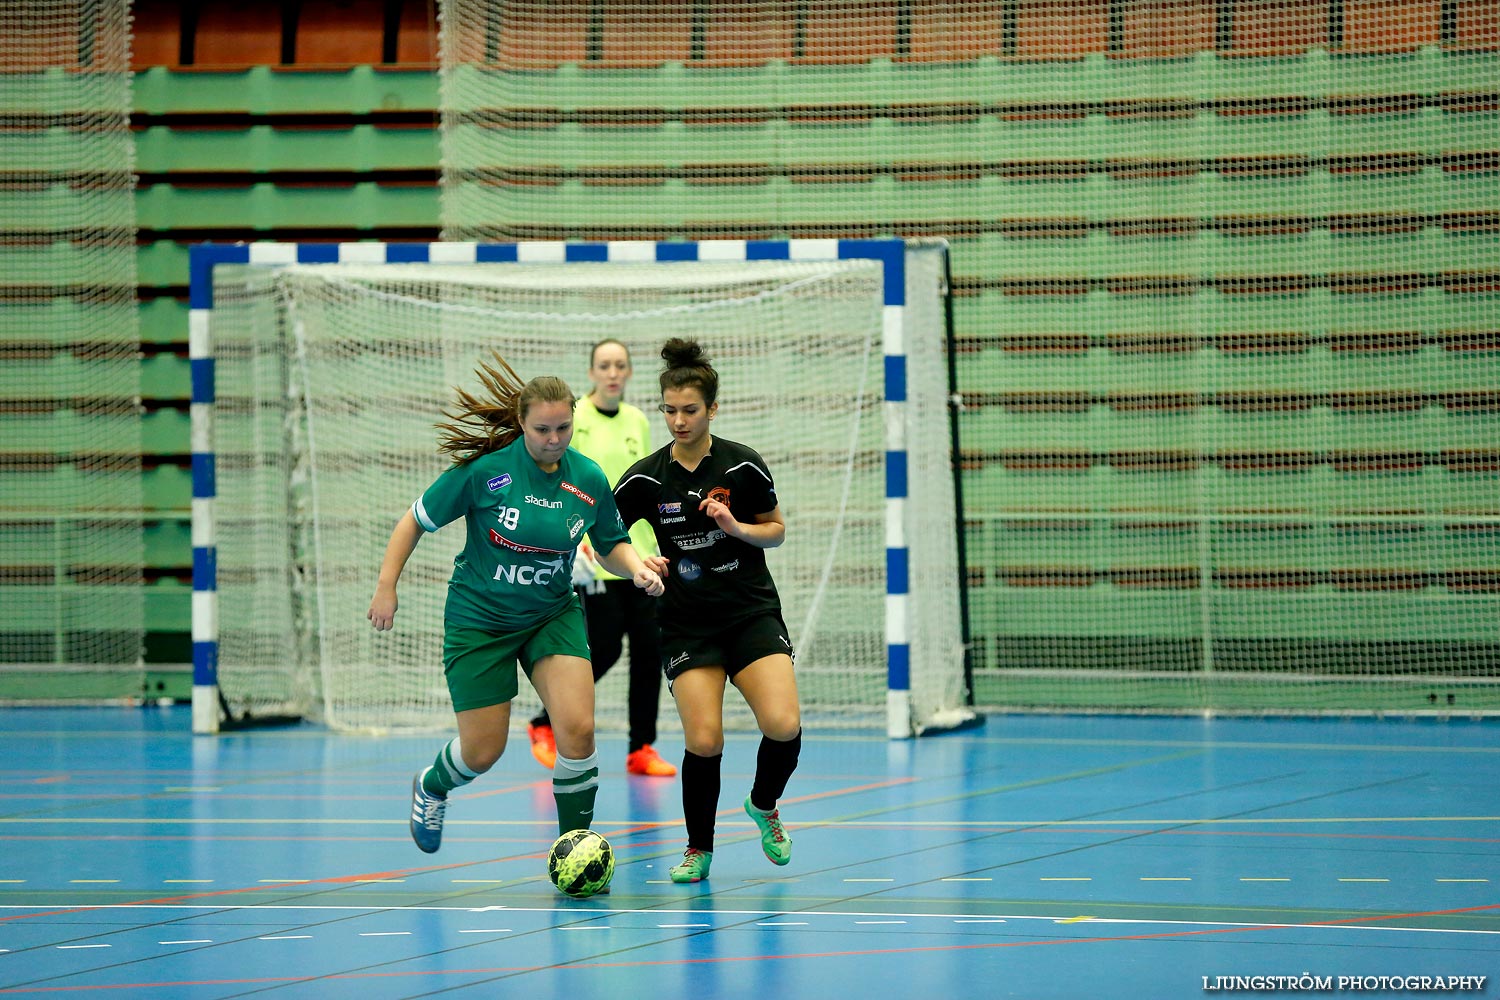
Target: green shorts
[{"x": 480, "y": 665}]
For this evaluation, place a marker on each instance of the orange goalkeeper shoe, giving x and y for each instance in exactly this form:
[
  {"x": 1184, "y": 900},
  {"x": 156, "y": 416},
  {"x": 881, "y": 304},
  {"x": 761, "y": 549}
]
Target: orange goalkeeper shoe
[
  {"x": 648, "y": 762},
  {"x": 543, "y": 745}
]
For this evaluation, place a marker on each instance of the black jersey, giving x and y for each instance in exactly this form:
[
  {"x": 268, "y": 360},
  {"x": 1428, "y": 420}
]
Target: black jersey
[{"x": 713, "y": 580}]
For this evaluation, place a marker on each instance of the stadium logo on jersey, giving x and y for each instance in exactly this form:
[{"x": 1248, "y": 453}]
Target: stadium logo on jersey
[
  {"x": 669, "y": 508},
  {"x": 721, "y": 494},
  {"x": 688, "y": 570},
  {"x": 499, "y": 482},
  {"x": 550, "y": 504},
  {"x": 575, "y": 526},
  {"x": 577, "y": 492}
]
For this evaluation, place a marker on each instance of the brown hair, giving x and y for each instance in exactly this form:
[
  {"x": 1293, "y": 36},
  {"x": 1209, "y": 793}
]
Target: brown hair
[
  {"x": 687, "y": 367},
  {"x": 477, "y": 426},
  {"x": 608, "y": 340}
]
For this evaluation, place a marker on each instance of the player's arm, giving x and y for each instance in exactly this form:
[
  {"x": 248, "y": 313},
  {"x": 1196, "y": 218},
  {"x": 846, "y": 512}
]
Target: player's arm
[
  {"x": 623, "y": 560},
  {"x": 767, "y": 531},
  {"x": 398, "y": 550}
]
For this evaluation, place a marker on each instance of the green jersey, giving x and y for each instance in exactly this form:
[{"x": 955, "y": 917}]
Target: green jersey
[
  {"x": 523, "y": 526},
  {"x": 616, "y": 441}
]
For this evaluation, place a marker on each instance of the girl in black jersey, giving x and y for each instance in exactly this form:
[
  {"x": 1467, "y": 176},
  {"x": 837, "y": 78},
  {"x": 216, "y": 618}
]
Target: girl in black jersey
[{"x": 712, "y": 504}]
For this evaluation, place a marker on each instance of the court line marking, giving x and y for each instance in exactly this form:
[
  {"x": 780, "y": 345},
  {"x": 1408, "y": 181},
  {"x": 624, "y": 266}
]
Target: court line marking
[
  {"x": 987, "y": 945},
  {"x": 336, "y": 881},
  {"x": 194, "y": 941},
  {"x": 1352, "y": 923},
  {"x": 634, "y": 827}
]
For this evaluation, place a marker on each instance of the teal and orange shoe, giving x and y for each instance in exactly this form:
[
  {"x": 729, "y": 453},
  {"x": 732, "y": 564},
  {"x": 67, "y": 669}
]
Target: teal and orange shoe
[
  {"x": 773, "y": 838},
  {"x": 693, "y": 867}
]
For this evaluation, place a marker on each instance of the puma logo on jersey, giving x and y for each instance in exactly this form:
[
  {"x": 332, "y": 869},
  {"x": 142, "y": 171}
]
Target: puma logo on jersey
[{"x": 697, "y": 494}]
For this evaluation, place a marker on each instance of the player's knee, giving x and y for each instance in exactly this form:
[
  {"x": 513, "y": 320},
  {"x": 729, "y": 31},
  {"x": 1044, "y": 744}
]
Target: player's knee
[
  {"x": 781, "y": 726},
  {"x": 703, "y": 741},
  {"x": 481, "y": 755},
  {"x": 575, "y": 739}
]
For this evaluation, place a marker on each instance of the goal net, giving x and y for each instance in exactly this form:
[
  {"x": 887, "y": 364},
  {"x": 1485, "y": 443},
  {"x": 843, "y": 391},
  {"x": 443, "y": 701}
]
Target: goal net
[
  {"x": 330, "y": 378},
  {"x": 1225, "y": 288},
  {"x": 71, "y": 494}
]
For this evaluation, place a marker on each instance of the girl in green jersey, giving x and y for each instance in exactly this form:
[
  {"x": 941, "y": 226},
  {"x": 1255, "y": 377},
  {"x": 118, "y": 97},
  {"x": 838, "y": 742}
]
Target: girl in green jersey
[{"x": 527, "y": 501}]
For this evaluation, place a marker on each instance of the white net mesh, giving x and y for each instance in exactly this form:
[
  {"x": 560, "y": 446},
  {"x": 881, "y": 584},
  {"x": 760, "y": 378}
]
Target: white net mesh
[
  {"x": 330, "y": 378},
  {"x": 71, "y": 549},
  {"x": 1225, "y": 290}
]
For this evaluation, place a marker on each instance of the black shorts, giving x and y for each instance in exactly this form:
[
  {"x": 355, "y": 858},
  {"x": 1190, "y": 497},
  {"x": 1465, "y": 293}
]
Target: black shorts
[{"x": 733, "y": 648}]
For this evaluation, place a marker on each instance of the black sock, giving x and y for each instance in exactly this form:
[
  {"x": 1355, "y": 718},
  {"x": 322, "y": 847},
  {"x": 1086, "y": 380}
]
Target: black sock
[
  {"x": 700, "y": 797},
  {"x": 774, "y": 764}
]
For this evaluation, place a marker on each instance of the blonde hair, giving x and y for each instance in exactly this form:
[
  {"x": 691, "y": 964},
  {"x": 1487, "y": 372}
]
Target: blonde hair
[{"x": 478, "y": 425}]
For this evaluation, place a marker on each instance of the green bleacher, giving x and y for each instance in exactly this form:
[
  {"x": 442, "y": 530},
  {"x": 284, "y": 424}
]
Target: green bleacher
[{"x": 1273, "y": 292}]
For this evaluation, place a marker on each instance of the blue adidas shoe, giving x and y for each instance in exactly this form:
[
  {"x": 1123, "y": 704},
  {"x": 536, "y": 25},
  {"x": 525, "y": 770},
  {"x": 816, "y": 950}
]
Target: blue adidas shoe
[{"x": 426, "y": 815}]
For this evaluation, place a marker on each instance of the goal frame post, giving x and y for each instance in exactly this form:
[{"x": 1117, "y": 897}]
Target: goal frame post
[{"x": 204, "y": 258}]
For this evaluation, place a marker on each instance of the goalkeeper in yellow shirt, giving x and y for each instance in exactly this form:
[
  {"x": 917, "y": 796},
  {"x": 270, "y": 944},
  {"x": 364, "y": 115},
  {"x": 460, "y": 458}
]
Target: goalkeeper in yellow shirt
[{"x": 616, "y": 435}]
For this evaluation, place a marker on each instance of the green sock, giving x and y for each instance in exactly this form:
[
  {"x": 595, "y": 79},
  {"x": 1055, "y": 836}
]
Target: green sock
[
  {"x": 575, "y": 784},
  {"x": 448, "y": 771}
]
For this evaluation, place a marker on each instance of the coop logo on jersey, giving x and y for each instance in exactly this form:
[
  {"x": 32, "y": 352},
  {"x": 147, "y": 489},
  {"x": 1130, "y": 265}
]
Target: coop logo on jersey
[
  {"x": 499, "y": 482},
  {"x": 575, "y": 526},
  {"x": 688, "y": 570},
  {"x": 577, "y": 492},
  {"x": 669, "y": 508}
]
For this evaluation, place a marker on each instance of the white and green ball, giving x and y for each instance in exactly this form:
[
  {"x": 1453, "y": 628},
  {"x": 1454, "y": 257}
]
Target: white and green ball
[{"x": 580, "y": 863}]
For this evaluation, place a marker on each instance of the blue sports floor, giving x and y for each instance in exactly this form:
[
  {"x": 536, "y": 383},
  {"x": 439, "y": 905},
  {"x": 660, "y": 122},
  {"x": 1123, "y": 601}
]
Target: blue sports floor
[{"x": 1035, "y": 857}]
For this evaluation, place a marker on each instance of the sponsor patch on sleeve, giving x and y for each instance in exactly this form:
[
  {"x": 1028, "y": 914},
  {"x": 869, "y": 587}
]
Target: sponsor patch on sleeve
[{"x": 577, "y": 492}]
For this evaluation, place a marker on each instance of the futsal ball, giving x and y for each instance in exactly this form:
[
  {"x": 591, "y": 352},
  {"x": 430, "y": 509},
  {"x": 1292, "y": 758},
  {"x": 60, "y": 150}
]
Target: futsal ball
[{"x": 580, "y": 863}]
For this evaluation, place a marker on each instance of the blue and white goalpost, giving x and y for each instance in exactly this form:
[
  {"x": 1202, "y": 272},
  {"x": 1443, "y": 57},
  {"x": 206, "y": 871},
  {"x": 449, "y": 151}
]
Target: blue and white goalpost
[{"x": 319, "y": 369}]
